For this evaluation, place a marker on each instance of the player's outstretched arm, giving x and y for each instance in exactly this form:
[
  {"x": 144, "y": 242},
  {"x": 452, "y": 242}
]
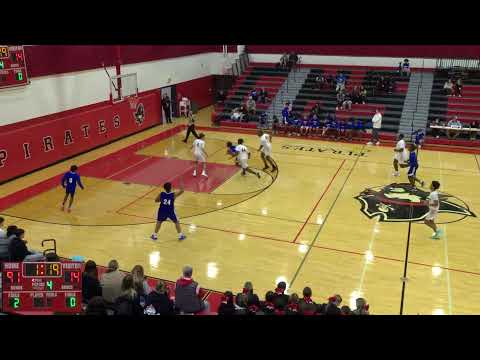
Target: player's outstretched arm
[{"x": 157, "y": 199}]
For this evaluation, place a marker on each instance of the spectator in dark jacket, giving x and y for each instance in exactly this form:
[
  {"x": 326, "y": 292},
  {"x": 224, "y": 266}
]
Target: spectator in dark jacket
[
  {"x": 345, "y": 310},
  {"x": 128, "y": 303},
  {"x": 227, "y": 306},
  {"x": 267, "y": 306},
  {"x": 306, "y": 304},
  {"x": 361, "y": 307},
  {"x": 241, "y": 306},
  {"x": 188, "y": 298},
  {"x": 90, "y": 285},
  {"x": 280, "y": 300},
  {"x": 333, "y": 306},
  {"x": 97, "y": 306},
  {"x": 159, "y": 299},
  {"x": 5, "y": 242},
  {"x": 252, "y": 298},
  {"x": 263, "y": 95},
  {"x": 293, "y": 307},
  {"x": 166, "y": 105},
  {"x": 17, "y": 248}
]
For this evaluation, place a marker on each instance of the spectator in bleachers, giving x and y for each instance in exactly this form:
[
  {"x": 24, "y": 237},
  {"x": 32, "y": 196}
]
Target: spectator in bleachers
[
  {"x": 187, "y": 294},
  {"x": 90, "y": 285},
  {"x": 363, "y": 94},
  {"x": 454, "y": 124},
  {"x": 263, "y": 95},
  {"x": 237, "y": 114},
  {"x": 128, "y": 303},
  {"x": 376, "y": 126},
  {"x": 252, "y": 298},
  {"x": 345, "y": 310},
  {"x": 341, "y": 82},
  {"x": 316, "y": 110},
  {"x": 293, "y": 305},
  {"x": 111, "y": 282},
  {"x": 96, "y": 306},
  {"x": 286, "y": 112},
  {"x": 251, "y": 106},
  {"x": 306, "y": 305},
  {"x": 280, "y": 298},
  {"x": 159, "y": 300},
  {"x": 140, "y": 282},
  {"x": 5, "y": 242},
  {"x": 448, "y": 87},
  {"x": 227, "y": 306},
  {"x": 459, "y": 87},
  {"x": 221, "y": 97},
  {"x": 406, "y": 67},
  {"x": 320, "y": 81},
  {"x": 17, "y": 248},
  {"x": 330, "y": 126},
  {"x": 267, "y": 306},
  {"x": 356, "y": 95},
  {"x": 361, "y": 307},
  {"x": 3, "y": 233},
  {"x": 330, "y": 80},
  {"x": 292, "y": 60},
  {"x": 347, "y": 101},
  {"x": 340, "y": 99},
  {"x": 284, "y": 61},
  {"x": 473, "y": 134},
  {"x": 254, "y": 95},
  {"x": 332, "y": 307}
]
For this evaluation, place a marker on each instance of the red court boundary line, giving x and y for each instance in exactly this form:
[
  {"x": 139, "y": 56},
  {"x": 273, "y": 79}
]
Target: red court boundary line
[
  {"x": 318, "y": 202},
  {"x": 321, "y": 247}
]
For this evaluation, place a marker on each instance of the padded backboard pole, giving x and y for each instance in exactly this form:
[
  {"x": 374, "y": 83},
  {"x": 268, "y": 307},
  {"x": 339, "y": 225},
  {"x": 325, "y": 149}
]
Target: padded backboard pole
[{"x": 118, "y": 70}]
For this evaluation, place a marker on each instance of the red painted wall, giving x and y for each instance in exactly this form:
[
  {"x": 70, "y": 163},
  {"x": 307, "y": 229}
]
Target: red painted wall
[
  {"x": 15, "y": 161},
  {"x": 200, "y": 90},
  {"x": 397, "y": 51},
  {"x": 45, "y": 60}
]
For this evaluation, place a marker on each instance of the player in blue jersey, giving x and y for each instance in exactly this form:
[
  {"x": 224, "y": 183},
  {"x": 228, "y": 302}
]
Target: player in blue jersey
[
  {"x": 304, "y": 125},
  {"x": 419, "y": 137},
  {"x": 167, "y": 210},
  {"x": 412, "y": 167},
  {"x": 315, "y": 125},
  {"x": 69, "y": 183}
]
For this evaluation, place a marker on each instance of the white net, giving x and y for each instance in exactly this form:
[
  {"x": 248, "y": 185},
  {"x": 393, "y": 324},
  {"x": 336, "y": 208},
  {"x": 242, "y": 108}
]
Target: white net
[{"x": 123, "y": 86}]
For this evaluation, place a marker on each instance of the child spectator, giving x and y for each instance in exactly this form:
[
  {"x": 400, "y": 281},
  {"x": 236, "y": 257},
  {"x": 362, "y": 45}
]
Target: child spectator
[
  {"x": 332, "y": 307},
  {"x": 280, "y": 299},
  {"x": 267, "y": 306},
  {"x": 345, "y": 310},
  {"x": 361, "y": 307}
]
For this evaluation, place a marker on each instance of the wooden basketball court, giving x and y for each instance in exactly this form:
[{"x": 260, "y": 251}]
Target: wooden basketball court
[{"x": 303, "y": 225}]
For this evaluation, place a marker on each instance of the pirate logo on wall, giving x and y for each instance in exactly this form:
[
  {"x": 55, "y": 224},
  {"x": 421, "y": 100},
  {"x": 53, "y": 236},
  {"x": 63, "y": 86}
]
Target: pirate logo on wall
[
  {"x": 139, "y": 114},
  {"x": 403, "y": 203}
]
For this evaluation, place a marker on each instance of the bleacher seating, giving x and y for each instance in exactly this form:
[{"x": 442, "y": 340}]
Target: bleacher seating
[
  {"x": 390, "y": 104},
  {"x": 254, "y": 77}
]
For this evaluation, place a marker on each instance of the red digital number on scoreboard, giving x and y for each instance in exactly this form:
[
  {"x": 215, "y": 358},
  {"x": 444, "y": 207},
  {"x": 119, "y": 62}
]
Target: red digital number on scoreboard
[{"x": 13, "y": 70}]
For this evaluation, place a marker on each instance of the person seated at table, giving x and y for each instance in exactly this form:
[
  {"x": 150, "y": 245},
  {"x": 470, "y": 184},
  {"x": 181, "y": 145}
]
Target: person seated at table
[
  {"x": 454, "y": 124},
  {"x": 435, "y": 132},
  {"x": 448, "y": 87}
]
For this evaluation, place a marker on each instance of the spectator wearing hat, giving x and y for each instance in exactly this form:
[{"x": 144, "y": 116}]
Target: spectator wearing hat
[
  {"x": 361, "y": 307},
  {"x": 188, "y": 298},
  {"x": 111, "y": 282}
]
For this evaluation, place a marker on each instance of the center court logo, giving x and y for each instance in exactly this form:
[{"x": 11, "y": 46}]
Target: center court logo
[
  {"x": 402, "y": 203},
  {"x": 317, "y": 149}
]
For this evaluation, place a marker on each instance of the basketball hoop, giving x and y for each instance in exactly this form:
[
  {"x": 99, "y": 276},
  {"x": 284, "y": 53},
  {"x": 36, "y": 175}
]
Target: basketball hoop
[{"x": 133, "y": 101}]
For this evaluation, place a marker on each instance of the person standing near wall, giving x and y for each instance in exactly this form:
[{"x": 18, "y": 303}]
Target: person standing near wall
[
  {"x": 166, "y": 105},
  {"x": 376, "y": 126}
]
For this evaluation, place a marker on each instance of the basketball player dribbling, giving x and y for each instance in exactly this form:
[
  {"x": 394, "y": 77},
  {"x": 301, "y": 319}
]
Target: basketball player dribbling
[
  {"x": 266, "y": 150},
  {"x": 400, "y": 155},
  {"x": 412, "y": 164},
  {"x": 433, "y": 203},
  {"x": 167, "y": 210},
  {"x": 69, "y": 183},
  {"x": 199, "y": 154},
  {"x": 243, "y": 156}
]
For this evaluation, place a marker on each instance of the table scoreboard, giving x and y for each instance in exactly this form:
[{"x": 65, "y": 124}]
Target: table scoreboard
[
  {"x": 13, "y": 69},
  {"x": 51, "y": 287}
]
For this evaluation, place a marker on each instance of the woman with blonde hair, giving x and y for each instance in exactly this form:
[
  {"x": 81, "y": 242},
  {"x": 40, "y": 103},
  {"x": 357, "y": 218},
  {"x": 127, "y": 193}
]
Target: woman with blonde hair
[
  {"x": 128, "y": 303},
  {"x": 140, "y": 281}
]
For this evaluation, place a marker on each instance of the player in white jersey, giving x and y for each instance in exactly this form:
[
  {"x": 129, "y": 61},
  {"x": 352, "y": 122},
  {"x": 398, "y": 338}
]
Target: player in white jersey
[
  {"x": 199, "y": 154},
  {"x": 266, "y": 150},
  {"x": 243, "y": 156},
  {"x": 433, "y": 203},
  {"x": 401, "y": 154}
]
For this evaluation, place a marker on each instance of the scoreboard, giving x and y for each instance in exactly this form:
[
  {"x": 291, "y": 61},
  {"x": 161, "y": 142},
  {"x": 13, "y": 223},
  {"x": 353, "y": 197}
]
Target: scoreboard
[
  {"x": 42, "y": 287},
  {"x": 13, "y": 69}
]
